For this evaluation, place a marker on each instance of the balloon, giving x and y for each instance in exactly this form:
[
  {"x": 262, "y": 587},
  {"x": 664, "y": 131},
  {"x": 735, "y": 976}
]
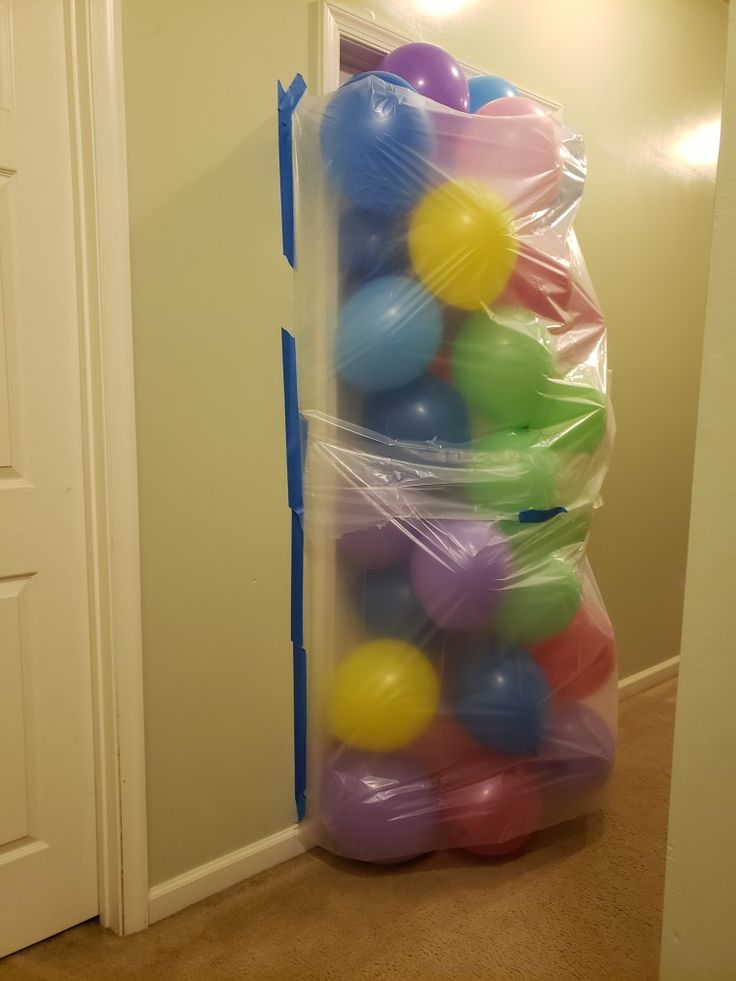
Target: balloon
[
  {"x": 440, "y": 366},
  {"x": 461, "y": 245},
  {"x": 378, "y": 807},
  {"x": 459, "y": 572},
  {"x": 388, "y": 605},
  {"x": 446, "y": 748},
  {"x": 535, "y": 542},
  {"x": 377, "y": 546},
  {"x": 371, "y": 538},
  {"x": 431, "y": 71},
  {"x": 577, "y": 749},
  {"x": 387, "y": 77},
  {"x": 512, "y": 471},
  {"x": 500, "y": 694},
  {"x": 486, "y": 88},
  {"x": 581, "y": 659},
  {"x": 376, "y": 142},
  {"x": 383, "y": 696},
  {"x": 542, "y": 283},
  {"x": 493, "y": 815},
  {"x": 426, "y": 410},
  {"x": 512, "y": 145},
  {"x": 573, "y": 416},
  {"x": 540, "y": 604},
  {"x": 502, "y": 849},
  {"x": 500, "y": 364},
  {"x": 389, "y": 331},
  {"x": 371, "y": 245},
  {"x": 528, "y": 140}
]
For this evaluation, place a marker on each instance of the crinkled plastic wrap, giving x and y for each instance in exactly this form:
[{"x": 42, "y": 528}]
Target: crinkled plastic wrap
[{"x": 452, "y": 375}]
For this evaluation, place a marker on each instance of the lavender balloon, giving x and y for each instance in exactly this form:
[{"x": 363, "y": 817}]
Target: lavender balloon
[
  {"x": 376, "y": 547},
  {"x": 577, "y": 748},
  {"x": 378, "y": 807},
  {"x": 431, "y": 71},
  {"x": 459, "y": 572}
]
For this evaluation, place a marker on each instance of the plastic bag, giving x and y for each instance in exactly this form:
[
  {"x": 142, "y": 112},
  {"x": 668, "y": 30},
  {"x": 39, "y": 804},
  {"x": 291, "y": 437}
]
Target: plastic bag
[{"x": 452, "y": 377}]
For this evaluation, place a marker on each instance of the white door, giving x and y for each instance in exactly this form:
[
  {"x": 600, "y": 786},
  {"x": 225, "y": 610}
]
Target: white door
[{"x": 48, "y": 863}]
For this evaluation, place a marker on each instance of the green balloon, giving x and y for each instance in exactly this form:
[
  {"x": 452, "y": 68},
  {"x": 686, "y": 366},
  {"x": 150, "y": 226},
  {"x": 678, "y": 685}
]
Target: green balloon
[
  {"x": 572, "y": 417},
  {"x": 511, "y": 471},
  {"x": 531, "y": 544},
  {"x": 500, "y": 365},
  {"x": 541, "y": 604}
]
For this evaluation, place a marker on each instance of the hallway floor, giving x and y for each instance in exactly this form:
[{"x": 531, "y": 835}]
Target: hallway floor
[{"x": 584, "y": 902}]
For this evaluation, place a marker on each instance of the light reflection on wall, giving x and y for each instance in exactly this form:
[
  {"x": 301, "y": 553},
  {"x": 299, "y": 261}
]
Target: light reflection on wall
[
  {"x": 442, "y": 8},
  {"x": 697, "y": 148}
]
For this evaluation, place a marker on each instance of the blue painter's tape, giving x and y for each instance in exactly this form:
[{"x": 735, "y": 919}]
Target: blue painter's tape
[
  {"x": 296, "y": 435},
  {"x": 531, "y": 516},
  {"x": 287, "y": 103}
]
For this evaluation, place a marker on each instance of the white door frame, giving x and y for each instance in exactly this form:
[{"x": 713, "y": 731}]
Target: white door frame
[
  {"x": 97, "y": 111},
  {"x": 338, "y": 24}
]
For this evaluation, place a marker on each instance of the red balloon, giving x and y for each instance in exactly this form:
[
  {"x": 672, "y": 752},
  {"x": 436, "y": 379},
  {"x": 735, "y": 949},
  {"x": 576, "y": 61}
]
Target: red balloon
[
  {"x": 579, "y": 660},
  {"x": 440, "y": 367},
  {"x": 500, "y": 850},
  {"x": 443, "y": 744},
  {"x": 542, "y": 284},
  {"x": 489, "y": 814}
]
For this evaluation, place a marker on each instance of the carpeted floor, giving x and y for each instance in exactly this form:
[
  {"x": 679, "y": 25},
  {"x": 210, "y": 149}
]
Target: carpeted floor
[{"x": 583, "y": 902}]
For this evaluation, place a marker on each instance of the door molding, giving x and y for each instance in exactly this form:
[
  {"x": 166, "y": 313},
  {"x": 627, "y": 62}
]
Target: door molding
[
  {"x": 338, "y": 24},
  {"x": 97, "y": 111}
]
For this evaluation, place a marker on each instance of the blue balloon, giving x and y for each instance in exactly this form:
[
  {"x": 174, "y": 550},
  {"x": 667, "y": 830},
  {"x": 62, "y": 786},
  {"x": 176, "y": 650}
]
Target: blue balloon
[
  {"x": 385, "y": 76},
  {"x": 427, "y": 410},
  {"x": 371, "y": 245},
  {"x": 500, "y": 694},
  {"x": 388, "y": 332},
  {"x": 376, "y": 144},
  {"x": 486, "y": 88},
  {"x": 388, "y": 605}
]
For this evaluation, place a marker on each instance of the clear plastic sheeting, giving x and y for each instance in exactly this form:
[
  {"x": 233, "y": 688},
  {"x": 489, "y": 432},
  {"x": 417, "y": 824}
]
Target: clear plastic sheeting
[{"x": 452, "y": 376}]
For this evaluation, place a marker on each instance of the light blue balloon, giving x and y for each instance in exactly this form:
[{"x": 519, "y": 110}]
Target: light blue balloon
[
  {"x": 388, "y": 333},
  {"x": 486, "y": 88}
]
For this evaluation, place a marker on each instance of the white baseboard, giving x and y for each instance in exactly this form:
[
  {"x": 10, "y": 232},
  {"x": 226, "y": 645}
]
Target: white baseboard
[
  {"x": 648, "y": 678},
  {"x": 183, "y": 890}
]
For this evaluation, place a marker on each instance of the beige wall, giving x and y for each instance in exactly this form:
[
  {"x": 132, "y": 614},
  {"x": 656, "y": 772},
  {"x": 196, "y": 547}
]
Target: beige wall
[
  {"x": 210, "y": 290},
  {"x": 698, "y": 939}
]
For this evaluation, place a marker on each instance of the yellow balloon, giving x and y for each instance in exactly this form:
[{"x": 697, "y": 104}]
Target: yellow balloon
[
  {"x": 461, "y": 244},
  {"x": 383, "y": 696}
]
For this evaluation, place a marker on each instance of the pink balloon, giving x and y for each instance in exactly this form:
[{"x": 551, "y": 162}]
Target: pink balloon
[{"x": 513, "y": 144}]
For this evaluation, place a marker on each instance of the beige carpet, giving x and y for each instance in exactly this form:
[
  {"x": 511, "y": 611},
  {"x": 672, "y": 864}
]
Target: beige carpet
[{"x": 583, "y": 902}]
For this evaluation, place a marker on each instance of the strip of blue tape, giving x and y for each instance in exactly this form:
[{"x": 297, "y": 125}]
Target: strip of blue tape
[
  {"x": 536, "y": 517},
  {"x": 287, "y": 103},
  {"x": 296, "y": 435}
]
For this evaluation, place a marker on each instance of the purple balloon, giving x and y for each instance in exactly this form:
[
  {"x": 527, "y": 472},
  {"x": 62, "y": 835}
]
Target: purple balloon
[
  {"x": 377, "y": 547},
  {"x": 459, "y": 572},
  {"x": 577, "y": 748},
  {"x": 431, "y": 71},
  {"x": 378, "y": 807}
]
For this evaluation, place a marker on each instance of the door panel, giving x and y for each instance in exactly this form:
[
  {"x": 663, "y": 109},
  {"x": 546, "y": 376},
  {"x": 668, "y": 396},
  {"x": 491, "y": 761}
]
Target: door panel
[{"x": 48, "y": 875}]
